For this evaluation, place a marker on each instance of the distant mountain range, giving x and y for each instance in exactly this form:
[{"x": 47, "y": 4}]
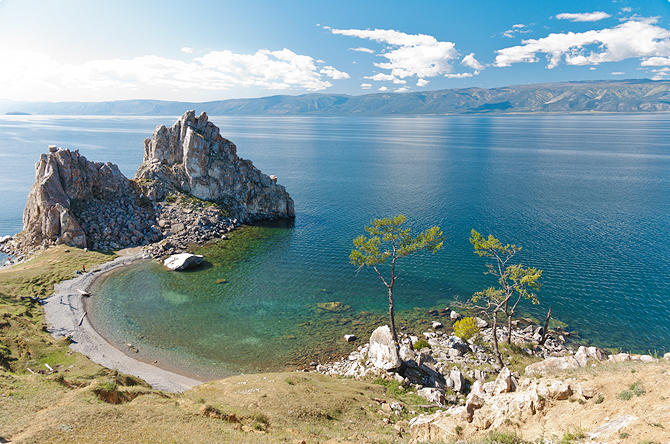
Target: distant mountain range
[{"x": 624, "y": 96}]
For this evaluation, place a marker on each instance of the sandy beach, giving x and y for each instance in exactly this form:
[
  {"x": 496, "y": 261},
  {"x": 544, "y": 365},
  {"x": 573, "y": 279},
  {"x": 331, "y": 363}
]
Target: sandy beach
[{"x": 66, "y": 316}]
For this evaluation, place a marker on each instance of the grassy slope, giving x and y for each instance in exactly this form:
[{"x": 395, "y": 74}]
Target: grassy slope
[{"x": 86, "y": 403}]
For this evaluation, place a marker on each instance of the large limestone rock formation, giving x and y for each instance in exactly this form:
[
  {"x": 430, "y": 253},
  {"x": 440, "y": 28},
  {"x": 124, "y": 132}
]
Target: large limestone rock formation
[
  {"x": 192, "y": 157},
  {"x": 92, "y": 204},
  {"x": 64, "y": 178}
]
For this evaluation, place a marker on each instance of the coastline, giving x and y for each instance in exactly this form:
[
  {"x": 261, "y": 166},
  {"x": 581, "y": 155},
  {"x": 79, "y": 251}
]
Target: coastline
[{"x": 65, "y": 314}]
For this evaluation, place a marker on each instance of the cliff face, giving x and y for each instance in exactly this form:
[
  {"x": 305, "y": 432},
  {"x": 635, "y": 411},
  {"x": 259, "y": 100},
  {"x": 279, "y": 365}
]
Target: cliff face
[
  {"x": 63, "y": 178},
  {"x": 192, "y": 157},
  {"x": 92, "y": 204}
]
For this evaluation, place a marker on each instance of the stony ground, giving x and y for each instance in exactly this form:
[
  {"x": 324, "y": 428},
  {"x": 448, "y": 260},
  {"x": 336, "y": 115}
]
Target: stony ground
[{"x": 50, "y": 394}]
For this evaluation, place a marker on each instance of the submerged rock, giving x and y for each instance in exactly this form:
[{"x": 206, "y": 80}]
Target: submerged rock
[{"x": 183, "y": 261}]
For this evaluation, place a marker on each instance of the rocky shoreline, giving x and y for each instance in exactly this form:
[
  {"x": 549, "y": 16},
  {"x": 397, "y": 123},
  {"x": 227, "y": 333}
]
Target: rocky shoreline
[
  {"x": 190, "y": 188},
  {"x": 459, "y": 377}
]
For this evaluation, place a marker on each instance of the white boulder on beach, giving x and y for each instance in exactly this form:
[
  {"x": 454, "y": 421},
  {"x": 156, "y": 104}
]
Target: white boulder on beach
[{"x": 182, "y": 261}]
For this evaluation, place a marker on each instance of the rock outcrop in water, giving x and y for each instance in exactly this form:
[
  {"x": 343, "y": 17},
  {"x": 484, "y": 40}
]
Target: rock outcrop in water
[
  {"x": 192, "y": 157},
  {"x": 92, "y": 204},
  {"x": 65, "y": 179}
]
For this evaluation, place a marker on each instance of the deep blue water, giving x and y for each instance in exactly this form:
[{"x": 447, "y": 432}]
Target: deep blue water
[{"x": 585, "y": 195}]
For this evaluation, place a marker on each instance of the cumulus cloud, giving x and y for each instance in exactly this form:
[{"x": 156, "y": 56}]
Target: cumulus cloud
[
  {"x": 469, "y": 60},
  {"x": 632, "y": 39},
  {"x": 407, "y": 54},
  {"x": 383, "y": 88},
  {"x": 361, "y": 49},
  {"x": 618, "y": 73},
  {"x": 366, "y": 85},
  {"x": 381, "y": 77},
  {"x": 422, "y": 82},
  {"x": 660, "y": 73},
  {"x": 656, "y": 61},
  {"x": 25, "y": 71},
  {"x": 583, "y": 17},
  {"x": 463, "y": 75},
  {"x": 333, "y": 73},
  {"x": 187, "y": 50},
  {"x": 402, "y": 89}
]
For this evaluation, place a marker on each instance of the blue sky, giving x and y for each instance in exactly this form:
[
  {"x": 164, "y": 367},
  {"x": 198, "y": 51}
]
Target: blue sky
[{"x": 93, "y": 50}]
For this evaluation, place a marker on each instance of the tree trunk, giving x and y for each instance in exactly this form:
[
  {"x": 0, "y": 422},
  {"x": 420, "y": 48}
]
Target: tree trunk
[
  {"x": 545, "y": 333},
  {"x": 392, "y": 316},
  {"x": 509, "y": 329},
  {"x": 494, "y": 331}
]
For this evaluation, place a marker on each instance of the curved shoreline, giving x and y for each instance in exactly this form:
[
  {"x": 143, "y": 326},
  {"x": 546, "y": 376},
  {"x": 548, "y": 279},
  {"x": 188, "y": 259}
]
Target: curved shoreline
[{"x": 66, "y": 316}]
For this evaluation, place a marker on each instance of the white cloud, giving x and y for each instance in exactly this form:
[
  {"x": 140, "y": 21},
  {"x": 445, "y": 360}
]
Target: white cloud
[
  {"x": 519, "y": 25},
  {"x": 463, "y": 75},
  {"x": 366, "y": 85},
  {"x": 660, "y": 73},
  {"x": 333, "y": 73},
  {"x": 656, "y": 61},
  {"x": 627, "y": 9},
  {"x": 187, "y": 50},
  {"x": 402, "y": 89},
  {"x": 593, "y": 68},
  {"x": 618, "y": 73},
  {"x": 469, "y": 60},
  {"x": 25, "y": 74},
  {"x": 383, "y": 88},
  {"x": 509, "y": 33},
  {"x": 361, "y": 49},
  {"x": 422, "y": 82},
  {"x": 381, "y": 77},
  {"x": 408, "y": 55},
  {"x": 583, "y": 17},
  {"x": 628, "y": 40}
]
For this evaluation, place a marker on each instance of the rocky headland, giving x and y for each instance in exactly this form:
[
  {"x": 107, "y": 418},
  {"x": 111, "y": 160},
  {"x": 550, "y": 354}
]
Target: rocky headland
[
  {"x": 191, "y": 187},
  {"x": 459, "y": 378}
]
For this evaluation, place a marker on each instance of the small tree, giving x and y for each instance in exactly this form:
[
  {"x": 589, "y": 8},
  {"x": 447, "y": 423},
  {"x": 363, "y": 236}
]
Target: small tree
[
  {"x": 389, "y": 240},
  {"x": 515, "y": 283}
]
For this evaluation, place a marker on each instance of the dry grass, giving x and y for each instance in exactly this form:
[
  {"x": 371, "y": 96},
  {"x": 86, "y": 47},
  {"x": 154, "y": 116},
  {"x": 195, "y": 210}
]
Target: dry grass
[{"x": 85, "y": 403}]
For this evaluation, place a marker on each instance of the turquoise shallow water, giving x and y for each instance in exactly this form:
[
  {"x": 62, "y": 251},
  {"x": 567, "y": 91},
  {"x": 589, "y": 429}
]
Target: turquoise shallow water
[{"x": 586, "y": 196}]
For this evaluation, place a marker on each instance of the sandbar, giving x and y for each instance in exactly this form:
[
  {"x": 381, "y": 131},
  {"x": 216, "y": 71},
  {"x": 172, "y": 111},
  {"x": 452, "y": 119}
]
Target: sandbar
[{"x": 66, "y": 316}]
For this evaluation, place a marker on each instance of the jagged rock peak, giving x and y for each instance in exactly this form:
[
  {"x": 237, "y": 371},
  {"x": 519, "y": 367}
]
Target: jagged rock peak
[
  {"x": 63, "y": 177},
  {"x": 192, "y": 157}
]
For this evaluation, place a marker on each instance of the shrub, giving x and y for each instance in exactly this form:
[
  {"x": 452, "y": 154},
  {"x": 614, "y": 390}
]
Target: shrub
[
  {"x": 625, "y": 395},
  {"x": 637, "y": 389},
  {"x": 421, "y": 343},
  {"x": 466, "y": 328}
]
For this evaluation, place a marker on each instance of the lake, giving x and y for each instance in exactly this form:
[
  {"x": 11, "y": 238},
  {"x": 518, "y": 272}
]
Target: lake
[{"x": 585, "y": 195}]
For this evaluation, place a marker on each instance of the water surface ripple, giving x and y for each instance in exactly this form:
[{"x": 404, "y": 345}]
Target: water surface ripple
[{"x": 585, "y": 195}]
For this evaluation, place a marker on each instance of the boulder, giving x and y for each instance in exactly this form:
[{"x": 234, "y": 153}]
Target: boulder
[
  {"x": 183, "y": 261},
  {"x": 458, "y": 379},
  {"x": 383, "y": 352},
  {"x": 438, "y": 427},
  {"x": 350, "y": 338},
  {"x": 434, "y": 395},
  {"x": 504, "y": 383},
  {"x": 620, "y": 357},
  {"x": 553, "y": 363},
  {"x": 585, "y": 353}
]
